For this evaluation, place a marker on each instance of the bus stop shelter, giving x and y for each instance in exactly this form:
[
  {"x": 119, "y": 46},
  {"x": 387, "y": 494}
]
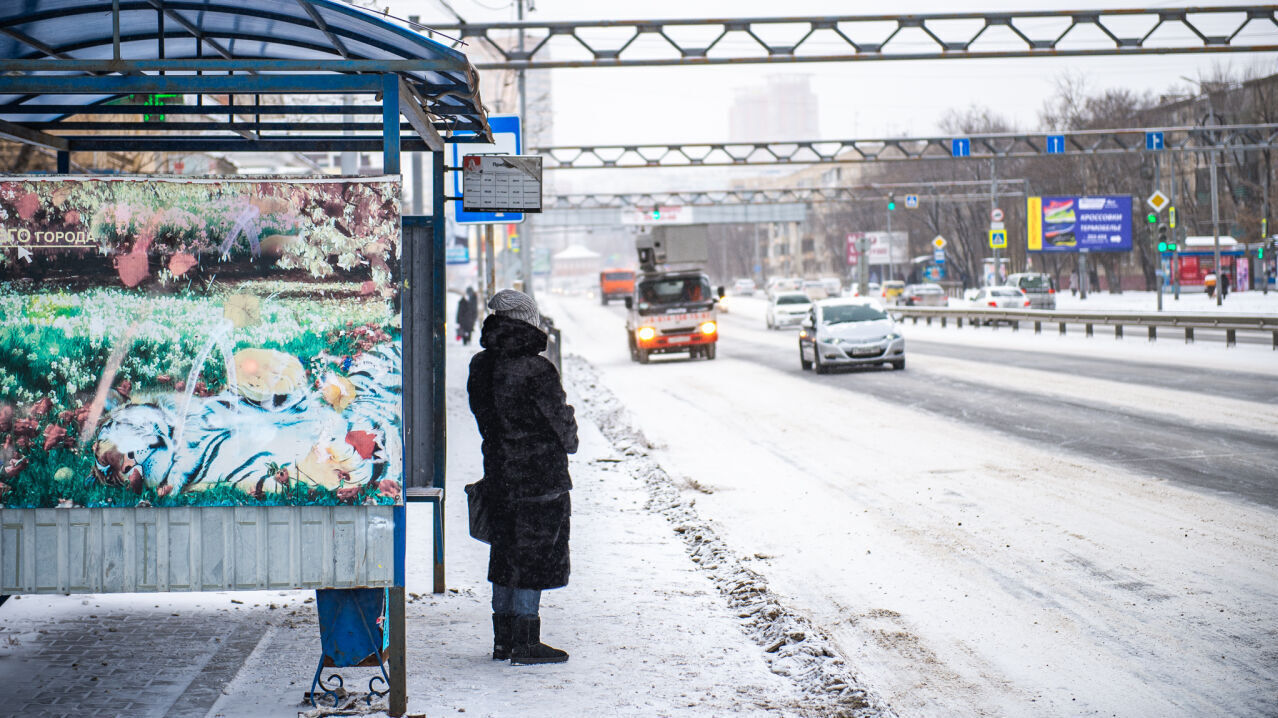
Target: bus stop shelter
[{"x": 82, "y": 76}]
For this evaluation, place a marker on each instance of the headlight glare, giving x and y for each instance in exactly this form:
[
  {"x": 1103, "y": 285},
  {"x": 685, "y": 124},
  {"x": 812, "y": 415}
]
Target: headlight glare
[{"x": 646, "y": 333}]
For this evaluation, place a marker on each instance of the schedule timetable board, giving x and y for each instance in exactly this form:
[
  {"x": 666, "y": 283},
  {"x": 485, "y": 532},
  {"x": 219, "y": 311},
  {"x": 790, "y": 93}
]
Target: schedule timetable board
[{"x": 501, "y": 183}]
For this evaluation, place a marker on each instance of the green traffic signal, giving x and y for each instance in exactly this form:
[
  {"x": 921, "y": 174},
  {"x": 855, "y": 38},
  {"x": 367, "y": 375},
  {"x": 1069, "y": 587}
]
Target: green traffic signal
[
  {"x": 1162, "y": 247},
  {"x": 1151, "y": 217},
  {"x": 656, "y": 213},
  {"x": 891, "y": 202}
]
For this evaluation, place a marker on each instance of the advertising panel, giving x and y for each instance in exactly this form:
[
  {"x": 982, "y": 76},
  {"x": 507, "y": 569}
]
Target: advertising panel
[
  {"x": 1068, "y": 224},
  {"x": 214, "y": 342},
  {"x": 880, "y": 244}
]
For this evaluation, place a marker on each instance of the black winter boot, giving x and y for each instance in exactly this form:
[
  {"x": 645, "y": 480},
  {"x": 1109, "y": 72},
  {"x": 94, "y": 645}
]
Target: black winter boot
[
  {"x": 503, "y": 635},
  {"x": 528, "y": 647}
]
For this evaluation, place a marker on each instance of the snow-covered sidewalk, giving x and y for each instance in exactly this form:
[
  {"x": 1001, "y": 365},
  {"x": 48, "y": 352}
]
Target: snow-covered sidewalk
[{"x": 651, "y": 631}]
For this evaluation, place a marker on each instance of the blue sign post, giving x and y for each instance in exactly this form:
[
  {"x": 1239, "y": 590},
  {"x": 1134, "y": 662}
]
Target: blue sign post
[
  {"x": 1153, "y": 141},
  {"x": 508, "y": 140},
  {"x": 961, "y": 147},
  {"x": 1056, "y": 144}
]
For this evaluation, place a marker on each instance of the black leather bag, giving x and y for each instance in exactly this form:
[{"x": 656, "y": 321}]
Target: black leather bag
[{"x": 480, "y": 508}]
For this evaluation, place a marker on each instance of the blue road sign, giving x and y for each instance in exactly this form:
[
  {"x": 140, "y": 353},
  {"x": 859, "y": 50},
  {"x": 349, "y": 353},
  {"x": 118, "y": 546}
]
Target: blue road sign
[
  {"x": 960, "y": 147},
  {"x": 1153, "y": 140},
  {"x": 457, "y": 255},
  {"x": 1056, "y": 144},
  {"x": 911, "y": 201},
  {"x": 508, "y": 140},
  {"x": 938, "y": 256}
]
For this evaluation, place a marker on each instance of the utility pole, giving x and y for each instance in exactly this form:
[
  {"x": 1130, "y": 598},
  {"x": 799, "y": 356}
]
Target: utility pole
[
  {"x": 525, "y": 238},
  {"x": 891, "y": 205},
  {"x": 1161, "y": 275},
  {"x": 993, "y": 206},
  {"x": 1215, "y": 233},
  {"x": 1171, "y": 218}
]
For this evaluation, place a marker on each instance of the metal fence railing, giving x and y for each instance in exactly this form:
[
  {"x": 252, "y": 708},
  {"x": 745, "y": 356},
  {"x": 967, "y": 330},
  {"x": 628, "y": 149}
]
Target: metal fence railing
[{"x": 1230, "y": 324}]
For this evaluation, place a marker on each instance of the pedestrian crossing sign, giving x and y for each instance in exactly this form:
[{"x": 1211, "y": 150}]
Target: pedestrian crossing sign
[{"x": 998, "y": 239}]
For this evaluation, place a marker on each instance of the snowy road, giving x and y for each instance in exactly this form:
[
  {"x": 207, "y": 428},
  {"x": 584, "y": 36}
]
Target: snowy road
[{"x": 999, "y": 530}]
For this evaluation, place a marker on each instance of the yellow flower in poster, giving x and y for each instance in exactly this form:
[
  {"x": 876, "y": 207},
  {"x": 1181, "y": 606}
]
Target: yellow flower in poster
[{"x": 244, "y": 310}]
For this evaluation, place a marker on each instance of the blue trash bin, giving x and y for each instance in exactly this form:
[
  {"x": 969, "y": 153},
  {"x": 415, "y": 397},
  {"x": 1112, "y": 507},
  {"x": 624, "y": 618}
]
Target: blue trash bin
[{"x": 353, "y": 633}]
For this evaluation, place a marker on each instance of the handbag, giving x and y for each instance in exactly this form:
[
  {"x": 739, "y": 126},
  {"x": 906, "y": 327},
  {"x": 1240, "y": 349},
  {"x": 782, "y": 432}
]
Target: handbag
[{"x": 479, "y": 506}]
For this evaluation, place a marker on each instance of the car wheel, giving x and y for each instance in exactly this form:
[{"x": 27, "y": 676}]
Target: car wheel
[
  {"x": 642, "y": 356},
  {"x": 603, "y": 299},
  {"x": 634, "y": 349},
  {"x": 898, "y": 365},
  {"x": 804, "y": 363},
  {"x": 817, "y": 365},
  {"x": 708, "y": 351}
]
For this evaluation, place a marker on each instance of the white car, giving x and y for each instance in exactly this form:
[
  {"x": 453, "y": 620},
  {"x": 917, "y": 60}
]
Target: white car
[
  {"x": 849, "y": 332},
  {"x": 996, "y": 298},
  {"x": 787, "y": 309},
  {"x": 744, "y": 287}
]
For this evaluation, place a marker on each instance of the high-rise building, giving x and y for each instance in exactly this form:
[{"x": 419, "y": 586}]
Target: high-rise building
[{"x": 782, "y": 107}]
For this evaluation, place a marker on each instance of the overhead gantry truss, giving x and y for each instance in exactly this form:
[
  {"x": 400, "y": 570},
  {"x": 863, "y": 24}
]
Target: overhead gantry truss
[
  {"x": 951, "y": 191},
  {"x": 978, "y": 146},
  {"x": 932, "y": 36}
]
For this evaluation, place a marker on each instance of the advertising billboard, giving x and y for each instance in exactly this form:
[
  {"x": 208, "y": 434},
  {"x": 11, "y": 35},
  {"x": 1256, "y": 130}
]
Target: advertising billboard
[
  {"x": 1073, "y": 223},
  {"x": 212, "y": 342},
  {"x": 880, "y": 243}
]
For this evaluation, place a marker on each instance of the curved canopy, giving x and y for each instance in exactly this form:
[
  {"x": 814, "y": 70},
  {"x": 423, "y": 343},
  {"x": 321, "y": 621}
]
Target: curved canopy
[{"x": 261, "y": 32}]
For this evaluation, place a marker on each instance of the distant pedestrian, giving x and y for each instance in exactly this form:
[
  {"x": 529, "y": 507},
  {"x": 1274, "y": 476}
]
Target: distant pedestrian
[
  {"x": 1224, "y": 285},
  {"x": 1209, "y": 284},
  {"x": 528, "y": 431},
  {"x": 1073, "y": 283},
  {"x": 467, "y": 311}
]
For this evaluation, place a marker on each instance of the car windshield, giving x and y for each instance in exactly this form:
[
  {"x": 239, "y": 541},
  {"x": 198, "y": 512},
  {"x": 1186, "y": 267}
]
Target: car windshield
[
  {"x": 927, "y": 290},
  {"x": 1005, "y": 292},
  {"x": 793, "y": 299},
  {"x": 843, "y": 313},
  {"x": 1034, "y": 282},
  {"x": 675, "y": 290},
  {"x": 619, "y": 276}
]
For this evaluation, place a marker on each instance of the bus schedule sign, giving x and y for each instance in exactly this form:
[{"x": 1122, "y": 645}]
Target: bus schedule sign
[{"x": 501, "y": 183}]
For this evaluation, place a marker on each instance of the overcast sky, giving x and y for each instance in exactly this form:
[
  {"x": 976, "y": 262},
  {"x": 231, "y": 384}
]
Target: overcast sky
[{"x": 856, "y": 99}]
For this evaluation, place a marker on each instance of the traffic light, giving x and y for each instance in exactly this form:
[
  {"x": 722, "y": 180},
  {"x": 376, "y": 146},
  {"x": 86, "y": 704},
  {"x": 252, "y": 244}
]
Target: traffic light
[
  {"x": 1162, "y": 238},
  {"x": 1152, "y": 217},
  {"x": 1171, "y": 217},
  {"x": 656, "y": 213},
  {"x": 891, "y": 201}
]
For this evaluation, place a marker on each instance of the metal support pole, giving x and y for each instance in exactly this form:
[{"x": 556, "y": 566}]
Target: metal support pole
[
  {"x": 1082, "y": 274},
  {"x": 490, "y": 246},
  {"x": 863, "y": 265},
  {"x": 398, "y": 666},
  {"x": 525, "y": 234},
  {"x": 1160, "y": 275},
  {"x": 437, "y": 321},
  {"x": 891, "y": 263},
  {"x": 998, "y": 265},
  {"x": 64, "y": 163},
  {"x": 1175, "y": 259},
  {"x": 1215, "y": 232}
]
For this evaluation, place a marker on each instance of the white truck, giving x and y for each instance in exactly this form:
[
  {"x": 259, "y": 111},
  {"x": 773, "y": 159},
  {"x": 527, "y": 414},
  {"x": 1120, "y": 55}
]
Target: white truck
[{"x": 673, "y": 309}]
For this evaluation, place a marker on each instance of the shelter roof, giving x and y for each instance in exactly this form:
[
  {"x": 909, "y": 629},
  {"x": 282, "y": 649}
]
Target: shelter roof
[{"x": 72, "y": 43}]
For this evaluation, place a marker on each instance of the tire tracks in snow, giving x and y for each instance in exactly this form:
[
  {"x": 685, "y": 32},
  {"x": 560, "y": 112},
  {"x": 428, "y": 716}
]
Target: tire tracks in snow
[{"x": 793, "y": 646}]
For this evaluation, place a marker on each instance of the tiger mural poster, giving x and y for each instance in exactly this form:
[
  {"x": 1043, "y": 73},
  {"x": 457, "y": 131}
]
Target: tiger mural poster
[{"x": 199, "y": 342}]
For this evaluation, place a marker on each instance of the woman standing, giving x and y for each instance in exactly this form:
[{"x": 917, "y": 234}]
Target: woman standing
[
  {"x": 467, "y": 311},
  {"x": 528, "y": 430}
]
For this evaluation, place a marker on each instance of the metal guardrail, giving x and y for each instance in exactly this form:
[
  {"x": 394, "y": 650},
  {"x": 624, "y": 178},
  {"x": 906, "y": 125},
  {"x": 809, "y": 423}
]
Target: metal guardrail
[{"x": 975, "y": 316}]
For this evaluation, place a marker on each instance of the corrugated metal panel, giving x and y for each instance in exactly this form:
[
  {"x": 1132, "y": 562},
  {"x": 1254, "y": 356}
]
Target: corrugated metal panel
[{"x": 212, "y": 548}]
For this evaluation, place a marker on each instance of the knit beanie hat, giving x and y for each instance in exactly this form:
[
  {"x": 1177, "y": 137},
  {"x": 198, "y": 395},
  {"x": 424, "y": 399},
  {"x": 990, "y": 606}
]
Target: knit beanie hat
[{"x": 516, "y": 305}]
